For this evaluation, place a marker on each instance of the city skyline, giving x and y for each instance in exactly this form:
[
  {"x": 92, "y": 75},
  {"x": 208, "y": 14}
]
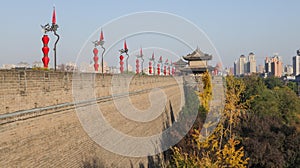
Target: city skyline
[{"x": 234, "y": 27}]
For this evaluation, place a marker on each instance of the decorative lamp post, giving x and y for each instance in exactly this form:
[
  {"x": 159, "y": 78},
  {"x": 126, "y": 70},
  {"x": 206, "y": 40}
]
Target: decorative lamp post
[
  {"x": 160, "y": 62},
  {"x": 99, "y": 43},
  {"x": 152, "y": 59},
  {"x": 165, "y": 67},
  {"x": 173, "y": 69},
  {"x": 142, "y": 58},
  {"x": 53, "y": 28},
  {"x": 125, "y": 50},
  {"x": 170, "y": 68}
]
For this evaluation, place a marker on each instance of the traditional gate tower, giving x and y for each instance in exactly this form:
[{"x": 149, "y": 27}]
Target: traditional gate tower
[{"x": 197, "y": 62}]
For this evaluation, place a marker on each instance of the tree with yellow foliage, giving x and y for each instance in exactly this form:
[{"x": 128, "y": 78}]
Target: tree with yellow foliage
[
  {"x": 219, "y": 148},
  {"x": 206, "y": 95}
]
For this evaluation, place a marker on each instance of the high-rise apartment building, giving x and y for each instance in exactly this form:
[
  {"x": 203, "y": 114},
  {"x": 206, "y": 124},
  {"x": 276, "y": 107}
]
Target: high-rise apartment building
[
  {"x": 276, "y": 66},
  {"x": 239, "y": 66},
  {"x": 288, "y": 70},
  {"x": 267, "y": 65},
  {"x": 260, "y": 69},
  {"x": 251, "y": 64},
  {"x": 296, "y": 64},
  {"x": 242, "y": 66}
]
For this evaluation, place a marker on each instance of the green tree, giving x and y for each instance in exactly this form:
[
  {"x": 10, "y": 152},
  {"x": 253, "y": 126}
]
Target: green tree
[{"x": 272, "y": 82}]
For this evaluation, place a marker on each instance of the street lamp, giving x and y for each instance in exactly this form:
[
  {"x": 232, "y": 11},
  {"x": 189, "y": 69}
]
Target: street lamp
[
  {"x": 53, "y": 28},
  {"x": 165, "y": 68},
  {"x": 125, "y": 50},
  {"x": 142, "y": 58},
  {"x": 153, "y": 60},
  {"x": 99, "y": 43},
  {"x": 160, "y": 63}
]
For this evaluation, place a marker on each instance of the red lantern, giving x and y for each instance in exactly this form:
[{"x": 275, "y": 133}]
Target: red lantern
[
  {"x": 150, "y": 67},
  {"x": 165, "y": 70},
  {"x": 45, "y": 51},
  {"x": 121, "y": 64},
  {"x": 46, "y": 61},
  {"x": 45, "y": 39},
  {"x": 158, "y": 69},
  {"x": 137, "y": 66},
  {"x": 173, "y": 70},
  {"x": 96, "y": 58}
]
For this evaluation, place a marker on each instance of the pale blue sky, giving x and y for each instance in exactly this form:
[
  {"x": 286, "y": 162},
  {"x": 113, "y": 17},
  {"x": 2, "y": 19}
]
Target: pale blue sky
[{"x": 235, "y": 27}]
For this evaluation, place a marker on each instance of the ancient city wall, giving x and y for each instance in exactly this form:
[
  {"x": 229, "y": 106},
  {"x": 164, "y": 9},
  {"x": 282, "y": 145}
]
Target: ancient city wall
[
  {"x": 21, "y": 90},
  {"x": 57, "y": 139}
]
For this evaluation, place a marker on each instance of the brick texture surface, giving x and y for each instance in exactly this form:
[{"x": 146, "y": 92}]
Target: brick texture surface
[{"x": 58, "y": 139}]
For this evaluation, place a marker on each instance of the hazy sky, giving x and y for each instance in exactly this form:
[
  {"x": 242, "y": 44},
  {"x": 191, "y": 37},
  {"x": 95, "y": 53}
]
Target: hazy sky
[{"x": 235, "y": 27}]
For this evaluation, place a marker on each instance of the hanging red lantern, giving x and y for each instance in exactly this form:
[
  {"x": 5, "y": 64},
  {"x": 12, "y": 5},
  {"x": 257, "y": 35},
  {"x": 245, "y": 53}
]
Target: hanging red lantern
[
  {"x": 150, "y": 67},
  {"x": 96, "y": 58},
  {"x": 137, "y": 66},
  {"x": 173, "y": 70},
  {"x": 45, "y": 51},
  {"x": 121, "y": 64},
  {"x": 158, "y": 69},
  {"x": 46, "y": 61},
  {"x": 45, "y": 39},
  {"x": 165, "y": 70}
]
